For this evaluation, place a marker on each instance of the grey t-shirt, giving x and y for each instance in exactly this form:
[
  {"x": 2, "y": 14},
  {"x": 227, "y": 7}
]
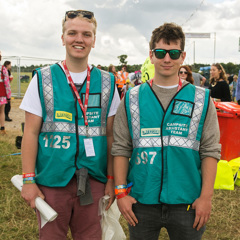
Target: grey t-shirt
[
  {"x": 197, "y": 77},
  {"x": 209, "y": 144}
]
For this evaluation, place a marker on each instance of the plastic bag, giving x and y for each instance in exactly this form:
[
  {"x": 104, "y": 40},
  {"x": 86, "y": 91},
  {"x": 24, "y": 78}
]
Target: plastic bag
[
  {"x": 111, "y": 228},
  {"x": 224, "y": 178},
  {"x": 235, "y": 164}
]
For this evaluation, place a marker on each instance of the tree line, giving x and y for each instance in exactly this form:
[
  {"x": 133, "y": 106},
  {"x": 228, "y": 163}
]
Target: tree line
[{"x": 230, "y": 67}]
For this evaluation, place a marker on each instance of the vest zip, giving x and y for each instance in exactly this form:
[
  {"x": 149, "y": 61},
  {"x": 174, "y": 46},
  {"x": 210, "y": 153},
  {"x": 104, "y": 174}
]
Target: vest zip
[
  {"x": 161, "y": 137},
  {"x": 76, "y": 123},
  {"x": 76, "y": 120},
  {"x": 165, "y": 111}
]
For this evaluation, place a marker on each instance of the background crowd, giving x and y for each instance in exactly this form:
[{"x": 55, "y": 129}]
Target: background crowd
[{"x": 223, "y": 86}]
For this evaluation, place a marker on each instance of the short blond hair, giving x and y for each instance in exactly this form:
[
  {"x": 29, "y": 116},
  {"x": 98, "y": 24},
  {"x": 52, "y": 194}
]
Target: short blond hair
[{"x": 92, "y": 20}]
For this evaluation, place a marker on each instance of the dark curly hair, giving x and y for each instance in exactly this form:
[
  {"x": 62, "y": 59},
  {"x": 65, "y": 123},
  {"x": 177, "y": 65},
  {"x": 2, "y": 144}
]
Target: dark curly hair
[{"x": 169, "y": 32}]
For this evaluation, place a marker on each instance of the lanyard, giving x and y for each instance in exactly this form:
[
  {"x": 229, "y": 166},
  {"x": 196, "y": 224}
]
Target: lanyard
[
  {"x": 84, "y": 108},
  {"x": 179, "y": 84}
]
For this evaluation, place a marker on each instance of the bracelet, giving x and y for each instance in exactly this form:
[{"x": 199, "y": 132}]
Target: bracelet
[
  {"x": 122, "y": 190},
  {"x": 120, "y": 186},
  {"x": 25, "y": 175},
  {"x": 28, "y": 181},
  {"x": 110, "y": 177},
  {"x": 121, "y": 195}
]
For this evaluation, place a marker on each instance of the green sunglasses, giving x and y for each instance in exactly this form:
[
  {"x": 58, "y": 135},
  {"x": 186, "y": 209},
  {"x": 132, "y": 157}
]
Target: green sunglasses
[{"x": 161, "y": 53}]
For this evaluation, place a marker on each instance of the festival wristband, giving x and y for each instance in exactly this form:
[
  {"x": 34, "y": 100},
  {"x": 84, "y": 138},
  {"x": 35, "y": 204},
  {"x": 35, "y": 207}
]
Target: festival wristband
[
  {"x": 29, "y": 179},
  {"x": 110, "y": 177},
  {"x": 29, "y": 182},
  {"x": 121, "y": 186},
  {"x": 121, "y": 195},
  {"x": 117, "y": 191},
  {"x": 25, "y": 175}
]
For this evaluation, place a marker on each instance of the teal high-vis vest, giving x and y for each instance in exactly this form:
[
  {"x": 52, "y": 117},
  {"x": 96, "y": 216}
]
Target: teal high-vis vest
[
  {"x": 61, "y": 140},
  {"x": 165, "y": 166}
]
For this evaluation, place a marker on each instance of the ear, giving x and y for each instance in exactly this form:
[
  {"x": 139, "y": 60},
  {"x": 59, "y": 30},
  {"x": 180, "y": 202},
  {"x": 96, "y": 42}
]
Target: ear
[
  {"x": 183, "y": 56},
  {"x": 94, "y": 41},
  {"x": 151, "y": 56},
  {"x": 63, "y": 43}
]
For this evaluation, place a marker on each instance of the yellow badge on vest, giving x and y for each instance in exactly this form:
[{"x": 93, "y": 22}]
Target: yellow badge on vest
[
  {"x": 150, "y": 132},
  {"x": 63, "y": 115}
]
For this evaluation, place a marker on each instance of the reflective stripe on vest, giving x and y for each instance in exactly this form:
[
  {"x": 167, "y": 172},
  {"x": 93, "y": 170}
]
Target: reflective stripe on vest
[
  {"x": 185, "y": 142},
  {"x": 50, "y": 126}
]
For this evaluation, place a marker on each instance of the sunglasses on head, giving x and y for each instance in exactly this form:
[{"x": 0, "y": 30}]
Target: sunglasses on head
[
  {"x": 183, "y": 72},
  {"x": 161, "y": 53},
  {"x": 72, "y": 14}
]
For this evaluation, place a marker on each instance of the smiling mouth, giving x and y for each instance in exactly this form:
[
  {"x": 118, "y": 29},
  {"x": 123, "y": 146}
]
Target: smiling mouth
[{"x": 78, "y": 47}]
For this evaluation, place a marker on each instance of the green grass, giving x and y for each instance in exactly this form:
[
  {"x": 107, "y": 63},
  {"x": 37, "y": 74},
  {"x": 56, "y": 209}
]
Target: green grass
[
  {"x": 23, "y": 86},
  {"x": 18, "y": 221}
]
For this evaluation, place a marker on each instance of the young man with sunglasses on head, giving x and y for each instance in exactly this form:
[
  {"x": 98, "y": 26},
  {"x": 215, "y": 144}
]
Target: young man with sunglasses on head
[
  {"x": 66, "y": 158},
  {"x": 169, "y": 130}
]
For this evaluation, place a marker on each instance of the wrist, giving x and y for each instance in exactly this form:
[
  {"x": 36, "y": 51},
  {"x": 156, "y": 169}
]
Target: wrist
[
  {"x": 29, "y": 178},
  {"x": 110, "y": 177},
  {"x": 122, "y": 190},
  {"x": 206, "y": 196}
]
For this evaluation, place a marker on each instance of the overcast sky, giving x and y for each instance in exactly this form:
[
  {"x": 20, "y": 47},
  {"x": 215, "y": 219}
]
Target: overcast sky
[{"x": 32, "y": 28}]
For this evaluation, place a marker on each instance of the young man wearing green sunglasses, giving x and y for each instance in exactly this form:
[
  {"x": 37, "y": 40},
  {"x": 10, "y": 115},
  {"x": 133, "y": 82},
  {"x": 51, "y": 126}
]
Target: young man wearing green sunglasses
[{"x": 169, "y": 130}]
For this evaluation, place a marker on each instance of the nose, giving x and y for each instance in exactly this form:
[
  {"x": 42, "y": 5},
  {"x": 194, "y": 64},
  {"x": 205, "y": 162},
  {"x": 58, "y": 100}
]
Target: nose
[
  {"x": 167, "y": 58},
  {"x": 79, "y": 38}
]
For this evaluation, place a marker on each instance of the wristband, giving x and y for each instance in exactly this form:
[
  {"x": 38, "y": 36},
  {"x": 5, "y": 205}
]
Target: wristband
[
  {"x": 120, "y": 186},
  {"x": 121, "y": 195},
  {"x": 25, "y": 175},
  {"x": 122, "y": 190},
  {"x": 28, "y": 181},
  {"x": 110, "y": 177}
]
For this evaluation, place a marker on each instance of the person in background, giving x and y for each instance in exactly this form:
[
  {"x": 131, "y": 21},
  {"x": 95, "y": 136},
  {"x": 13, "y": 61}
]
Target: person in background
[
  {"x": 8, "y": 66},
  {"x": 112, "y": 69},
  {"x": 5, "y": 94},
  {"x": 125, "y": 88},
  {"x": 136, "y": 79},
  {"x": 233, "y": 86},
  {"x": 219, "y": 87},
  {"x": 169, "y": 130},
  {"x": 199, "y": 80},
  {"x": 238, "y": 89},
  {"x": 229, "y": 78},
  {"x": 185, "y": 73},
  {"x": 123, "y": 76},
  {"x": 69, "y": 112},
  {"x": 99, "y": 66}
]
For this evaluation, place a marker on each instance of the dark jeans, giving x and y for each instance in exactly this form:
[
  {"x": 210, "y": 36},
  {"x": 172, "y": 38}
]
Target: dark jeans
[{"x": 175, "y": 218}]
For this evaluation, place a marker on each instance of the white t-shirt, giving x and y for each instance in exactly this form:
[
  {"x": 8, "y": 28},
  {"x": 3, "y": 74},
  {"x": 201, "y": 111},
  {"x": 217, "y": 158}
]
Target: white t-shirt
[{"x": 31, "y": 102}]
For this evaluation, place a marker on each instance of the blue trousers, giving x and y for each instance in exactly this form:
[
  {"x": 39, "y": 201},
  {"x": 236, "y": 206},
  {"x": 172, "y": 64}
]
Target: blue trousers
[{"x": 175, "y": 218}]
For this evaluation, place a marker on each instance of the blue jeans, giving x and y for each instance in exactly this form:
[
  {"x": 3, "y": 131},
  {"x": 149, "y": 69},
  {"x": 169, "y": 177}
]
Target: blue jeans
[{"x": 175, "y": 218}]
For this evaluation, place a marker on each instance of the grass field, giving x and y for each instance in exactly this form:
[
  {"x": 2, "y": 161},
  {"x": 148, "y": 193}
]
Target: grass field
[
  {"x": 23, "y": 86},
  {"x": 18, "y": 221}
]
